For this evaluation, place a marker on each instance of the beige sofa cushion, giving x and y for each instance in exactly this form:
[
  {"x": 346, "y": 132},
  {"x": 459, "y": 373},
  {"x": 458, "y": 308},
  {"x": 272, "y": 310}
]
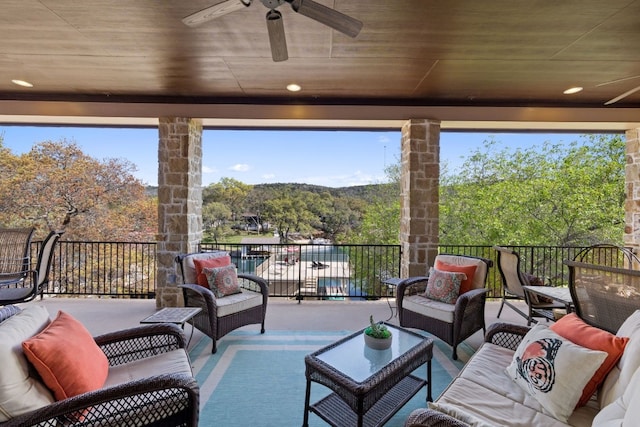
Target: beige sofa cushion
[
  {"x": 624, "y": 411},
  {"x": 20, "y": 392},
  {"x": 484, "y": 391},
  {"x": 620, "y": 376}
]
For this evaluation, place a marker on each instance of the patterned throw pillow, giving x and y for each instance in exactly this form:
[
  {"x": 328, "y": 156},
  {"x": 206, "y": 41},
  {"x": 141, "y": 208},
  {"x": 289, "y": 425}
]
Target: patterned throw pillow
[
  {"x": 444, "y": 285},
  {"x": 553, "y": 370},
  {"x": 223, "y": 281}
]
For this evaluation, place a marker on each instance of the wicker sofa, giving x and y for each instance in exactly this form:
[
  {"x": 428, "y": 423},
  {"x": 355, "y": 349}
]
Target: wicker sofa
[
  {"x": 484, "y": 395},
  {"x": 148, "y": 376}
]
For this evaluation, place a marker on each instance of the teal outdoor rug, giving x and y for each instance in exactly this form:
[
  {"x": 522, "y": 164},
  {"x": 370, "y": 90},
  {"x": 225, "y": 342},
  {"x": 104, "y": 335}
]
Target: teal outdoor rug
[{"x": 258, "y": 380}]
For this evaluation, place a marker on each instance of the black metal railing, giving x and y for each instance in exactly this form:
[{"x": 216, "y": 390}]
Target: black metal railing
[
  {"x": 128, "y": 269},
  {"x": 545, "y": 262},
  {"x": 116, "y": 269},
  {"x": 332, "y": 272}
]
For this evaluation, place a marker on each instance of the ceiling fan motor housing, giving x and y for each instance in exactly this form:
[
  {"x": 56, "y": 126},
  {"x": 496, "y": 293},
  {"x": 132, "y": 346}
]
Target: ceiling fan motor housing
[{"x": 272, "y": 4}]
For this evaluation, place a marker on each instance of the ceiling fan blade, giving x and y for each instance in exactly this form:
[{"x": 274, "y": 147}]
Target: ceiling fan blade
[
  {"x": 327, "y": 16},
  {"x": 624, "y": 95},
  {"x": 215, "y": 11},
  {"x": 277, "y": 39}
]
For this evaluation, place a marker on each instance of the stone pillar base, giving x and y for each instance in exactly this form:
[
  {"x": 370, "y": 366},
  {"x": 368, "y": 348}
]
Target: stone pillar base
[{"x": 169, "y": 297}]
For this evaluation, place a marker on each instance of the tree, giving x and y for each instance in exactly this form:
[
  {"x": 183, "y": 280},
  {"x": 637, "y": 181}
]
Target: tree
[
  {"x": 214, "y": 218},
  {"x": 229, "y": 191},
  {"x": 381, "y": 220},
  {"x": 557, "y": 195},
  {"x": 57, "y": 186},
  {"x": 291, "y": 212}
]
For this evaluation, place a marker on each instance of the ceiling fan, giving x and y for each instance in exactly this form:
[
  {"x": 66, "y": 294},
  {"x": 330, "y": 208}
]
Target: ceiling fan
[
  {"x": 624, "y": 95},
  {"x": 309, "y": 8}
]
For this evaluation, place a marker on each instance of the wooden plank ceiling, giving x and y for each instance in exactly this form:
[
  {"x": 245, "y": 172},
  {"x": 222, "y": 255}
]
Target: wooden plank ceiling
[{"x": 465, "y": 53}]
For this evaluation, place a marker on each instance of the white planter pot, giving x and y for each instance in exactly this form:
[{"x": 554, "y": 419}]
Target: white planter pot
[{"x": 377, "y": 343}]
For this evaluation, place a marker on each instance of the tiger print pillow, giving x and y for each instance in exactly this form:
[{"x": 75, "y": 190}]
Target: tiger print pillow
[{"x": 553, "y": 370}]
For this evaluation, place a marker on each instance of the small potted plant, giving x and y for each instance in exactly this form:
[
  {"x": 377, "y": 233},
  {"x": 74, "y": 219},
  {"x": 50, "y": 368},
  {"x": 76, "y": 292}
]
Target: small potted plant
[{"x": 377, "y": 336}]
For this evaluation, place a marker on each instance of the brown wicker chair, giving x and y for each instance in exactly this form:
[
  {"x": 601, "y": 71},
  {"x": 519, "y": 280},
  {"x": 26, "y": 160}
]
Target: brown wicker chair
[
  {"x": 452, "y": 323},
  {"x": 219, "y": 316},
  {"x": 161, "y": 400},
  {"x": 512, "y": 289},
  {"x": 23, "y": 292},
  {"x": 15, "y": 249}
]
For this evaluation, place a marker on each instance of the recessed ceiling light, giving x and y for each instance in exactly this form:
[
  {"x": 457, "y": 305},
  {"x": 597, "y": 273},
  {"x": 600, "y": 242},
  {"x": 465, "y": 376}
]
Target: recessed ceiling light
[
  {"x": 21, "y": 83},
  {"x": 293, "y": 87},
  {"x": 571, "y": 90}
]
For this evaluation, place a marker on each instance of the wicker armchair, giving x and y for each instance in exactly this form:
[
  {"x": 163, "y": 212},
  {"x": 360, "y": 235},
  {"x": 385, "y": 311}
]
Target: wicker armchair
[
  {"x": 452, "y": 323},
  {"x": 160, "y": 400},
  {"x": 23, "y": 292},
  {"x": 219, "y": 316}
]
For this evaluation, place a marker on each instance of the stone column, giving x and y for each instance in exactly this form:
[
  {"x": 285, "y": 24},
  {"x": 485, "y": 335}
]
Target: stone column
[
  {"x": 419, "y": 197},
  {"x": 179, "y": 201},
  {"x": 632, "y": 203}
]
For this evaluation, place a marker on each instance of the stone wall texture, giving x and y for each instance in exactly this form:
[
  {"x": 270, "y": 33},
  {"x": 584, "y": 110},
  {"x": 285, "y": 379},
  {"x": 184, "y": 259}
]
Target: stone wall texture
[
  {"x": 419, "y": 197},
  {"x": 632, "y": 182},
  {"x": 179, "y": 200}
]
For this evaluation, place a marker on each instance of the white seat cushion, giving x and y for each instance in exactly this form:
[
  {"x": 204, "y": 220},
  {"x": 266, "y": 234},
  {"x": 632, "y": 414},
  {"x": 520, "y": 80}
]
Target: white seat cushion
[
  {"x": 175, "y": 361},
  {"x": 428, "y": 307},
  {"x": 238, "y": 302}
]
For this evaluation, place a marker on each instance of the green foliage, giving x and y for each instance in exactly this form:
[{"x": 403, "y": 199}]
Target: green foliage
[
  {"x": 555, "y": 195},
  {"x": 57, "y": 186},
  {"x": 377, "y": 330}
]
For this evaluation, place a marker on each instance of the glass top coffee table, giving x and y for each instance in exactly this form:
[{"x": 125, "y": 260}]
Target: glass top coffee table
[{"x": 369, "y": 386}]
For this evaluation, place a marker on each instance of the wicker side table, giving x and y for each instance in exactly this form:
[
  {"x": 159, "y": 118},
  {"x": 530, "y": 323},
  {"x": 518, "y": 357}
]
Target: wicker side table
[{"x": 369, "y": 386}]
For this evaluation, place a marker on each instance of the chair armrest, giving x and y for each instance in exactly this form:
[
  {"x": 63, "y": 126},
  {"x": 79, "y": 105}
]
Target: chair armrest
[
  {"x": 424, "y": 417},
  {"x": 171, "y": 397},
  {"x": 261, "y": 283},
  {"x": 470, "y": 299},
  {"x": 140, "y": 342},
  {"x": 506, "y": 335}
]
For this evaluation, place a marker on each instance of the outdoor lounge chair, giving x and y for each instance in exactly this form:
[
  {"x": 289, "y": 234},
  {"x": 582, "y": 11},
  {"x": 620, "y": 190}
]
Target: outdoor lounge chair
[
  {"x": 221, "y": 315},
  {"x": 40, "y": 275},
  {"x": 452, "y": 323},
  {"x": 15, "y": 249},
  {"x": 512, "y": 289}
]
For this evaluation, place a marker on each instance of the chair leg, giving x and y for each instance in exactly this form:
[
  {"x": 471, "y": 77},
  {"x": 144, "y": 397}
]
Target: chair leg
[
  {"x": 454, "y": 356},
  {"x": 214, "y": 347},
  {"x": 500, "y": 310}
]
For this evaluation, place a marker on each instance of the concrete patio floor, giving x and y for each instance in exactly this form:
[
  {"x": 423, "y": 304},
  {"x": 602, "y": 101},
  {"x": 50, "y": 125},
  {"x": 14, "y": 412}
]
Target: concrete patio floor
[{"x": 101, "y": 315}]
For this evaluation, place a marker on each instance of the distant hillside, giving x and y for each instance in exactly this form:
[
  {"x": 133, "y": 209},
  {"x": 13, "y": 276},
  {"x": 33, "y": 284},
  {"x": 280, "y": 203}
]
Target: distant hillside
[{"x": 365, "y": 192}]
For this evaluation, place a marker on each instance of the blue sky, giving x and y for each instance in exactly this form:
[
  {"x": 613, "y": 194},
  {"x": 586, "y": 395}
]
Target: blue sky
[{"x": 328, "y": 158}]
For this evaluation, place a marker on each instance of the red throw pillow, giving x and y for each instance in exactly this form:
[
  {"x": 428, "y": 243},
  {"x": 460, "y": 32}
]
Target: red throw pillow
[
  {"x": 574, "y": 329},
  {"x": 67, "y": 357},
  {"x": 469, "y": 270},
  {"x": 201, "y": 278}
]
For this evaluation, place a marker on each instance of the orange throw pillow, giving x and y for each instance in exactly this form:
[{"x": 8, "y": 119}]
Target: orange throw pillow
[
  {"x": 67, "y": 358},
  {"x": 574, "y": 329},
  {"x": 469, "y": 270},
  {"x": 201, "y": 278}
]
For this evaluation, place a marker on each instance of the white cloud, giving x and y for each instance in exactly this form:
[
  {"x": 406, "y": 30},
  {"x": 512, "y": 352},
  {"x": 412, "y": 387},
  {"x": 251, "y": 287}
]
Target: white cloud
[
  {"x": 346, "y": 180},
  {"x": 240, "y": 167},
  {"x": 207, "y": 169},
  {"x": 269, "y": 176},
  {"x": 383, "y": 138}
]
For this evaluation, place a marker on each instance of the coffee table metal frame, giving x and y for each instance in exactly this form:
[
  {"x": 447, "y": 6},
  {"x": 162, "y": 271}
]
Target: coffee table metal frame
[{"x": 373, "y": 401}]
